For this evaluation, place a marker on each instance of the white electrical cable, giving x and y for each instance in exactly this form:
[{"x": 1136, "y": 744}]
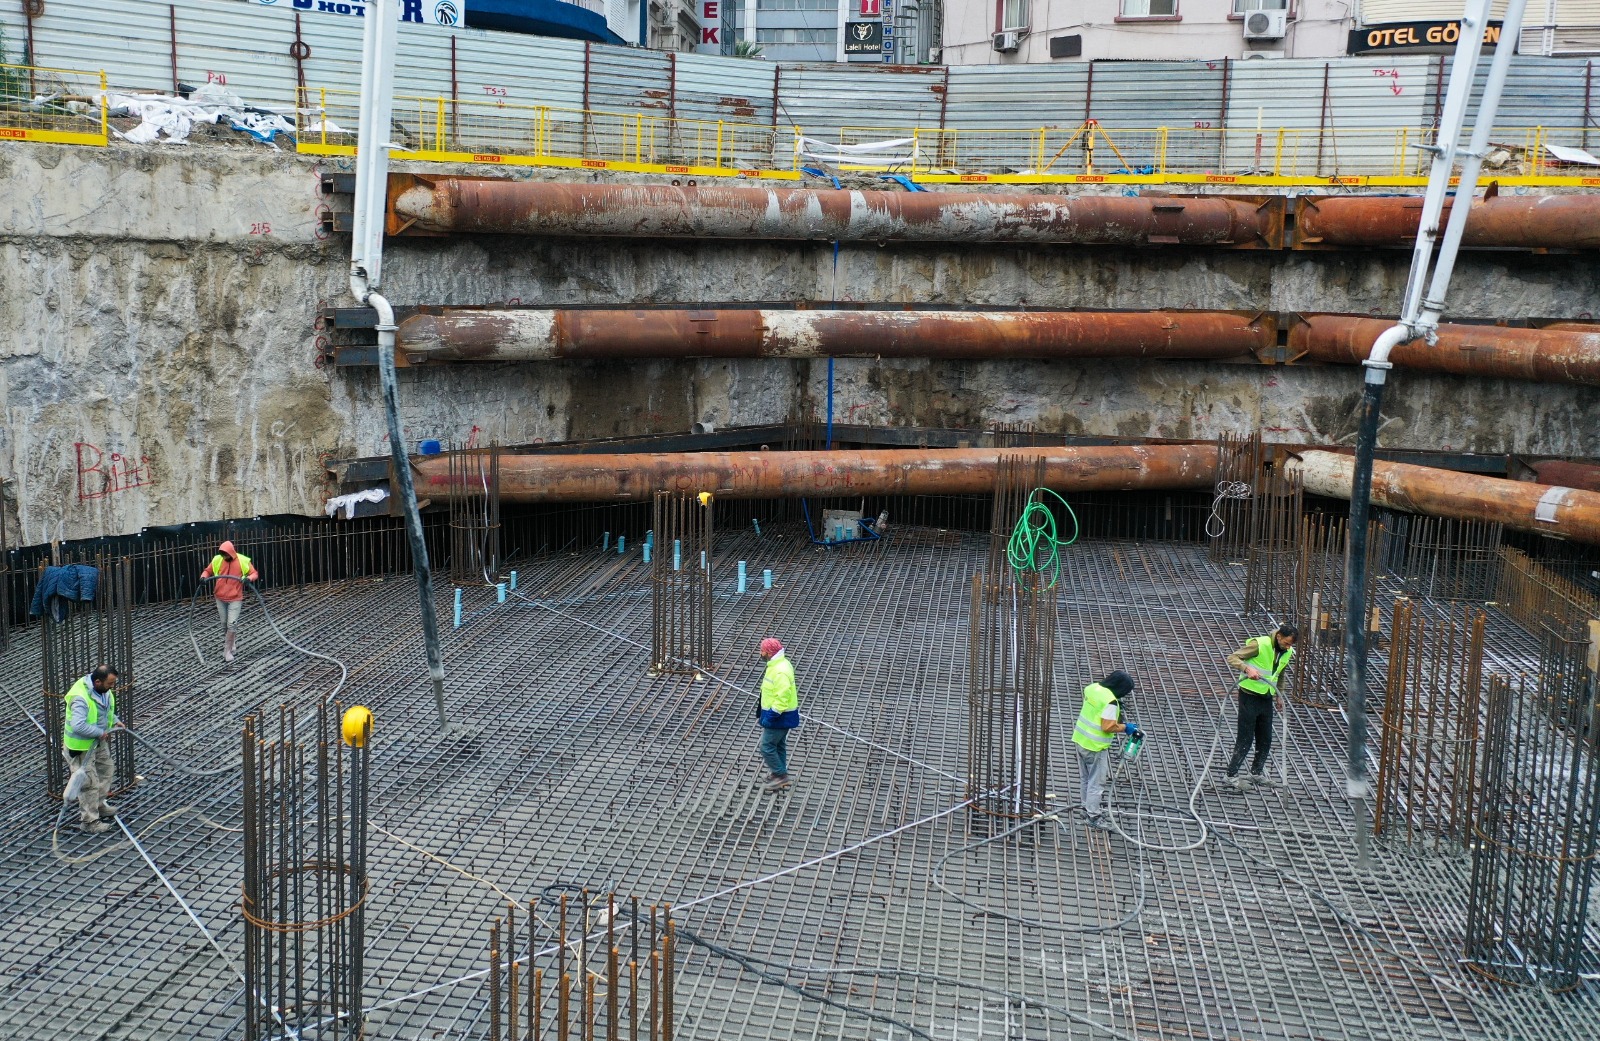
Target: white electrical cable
[{"x": 1224, "y": 490}]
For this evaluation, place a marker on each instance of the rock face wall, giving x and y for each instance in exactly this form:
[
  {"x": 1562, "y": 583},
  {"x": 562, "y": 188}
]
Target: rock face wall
[{"x": 160, "y": 341}]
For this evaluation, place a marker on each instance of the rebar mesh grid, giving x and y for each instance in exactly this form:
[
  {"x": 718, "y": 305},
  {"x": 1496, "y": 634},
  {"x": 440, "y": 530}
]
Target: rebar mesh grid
[
  {"x": 475, "y": 550},
  {"x": 680, "y": 585},
  {"x": 579, "y": 769},
  {"x": 1428, "y": 742},
  {"x": 1318, "y": 676},
  {"x": 1537, "y": 843},
  {"x": 75, "y": 637},
  {"x": 305, "y": 889}
]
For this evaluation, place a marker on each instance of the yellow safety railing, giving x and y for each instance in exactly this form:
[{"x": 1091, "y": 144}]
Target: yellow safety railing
[
  {"x": 1091, "y": 152},
  {"x": 60, "y": 106},
  {"x": 471, "y": 130}
]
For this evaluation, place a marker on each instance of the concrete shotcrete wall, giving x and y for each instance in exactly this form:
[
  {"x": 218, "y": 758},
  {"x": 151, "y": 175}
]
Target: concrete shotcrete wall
[{"x": 159, "y": 311}]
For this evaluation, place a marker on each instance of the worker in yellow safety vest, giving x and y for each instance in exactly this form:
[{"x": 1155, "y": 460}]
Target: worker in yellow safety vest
[
  {"x": 778, "y": 713},
  {"x": 231, "y": 569},
  {"x": 1260, "y": 663},
  {"x": 1099, "y": 721},
  {"x": 90, "y": 715}
]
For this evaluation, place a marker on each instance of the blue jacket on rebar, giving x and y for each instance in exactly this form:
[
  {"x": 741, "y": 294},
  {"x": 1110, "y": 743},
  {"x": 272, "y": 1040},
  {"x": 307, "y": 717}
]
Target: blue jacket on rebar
[{"x": 60, "y": 584}]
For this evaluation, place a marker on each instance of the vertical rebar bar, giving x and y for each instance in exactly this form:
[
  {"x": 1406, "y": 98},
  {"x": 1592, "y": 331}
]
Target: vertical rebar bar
[
  {"x": 1537, "y": 840},
  {"x": 680, "y": 586},
  {"x": 1011, "y": 656}
]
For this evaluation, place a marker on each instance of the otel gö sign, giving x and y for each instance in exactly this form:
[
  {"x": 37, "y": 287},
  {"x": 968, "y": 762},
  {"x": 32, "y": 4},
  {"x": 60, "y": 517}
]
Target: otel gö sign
[{"x": 1399, "y": 36}]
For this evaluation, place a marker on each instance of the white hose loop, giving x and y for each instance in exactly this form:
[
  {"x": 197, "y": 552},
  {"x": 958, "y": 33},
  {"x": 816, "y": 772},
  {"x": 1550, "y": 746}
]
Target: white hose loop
[{"x": 1225, "y": 490}]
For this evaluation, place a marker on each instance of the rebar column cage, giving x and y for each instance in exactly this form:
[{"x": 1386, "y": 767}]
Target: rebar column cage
[
  {"x": 680, "y": 585},
  {"x": 1536, "y": 843},
  {"x": 305, "y": 879},
  {"x": 1239, "y": 465},
  {"x": 1561, "y": 614},
  {"x": 1428, "y": 746},
  {"x": 1273, "y": 555},
  {"x": 584, "y": 966},
  {"x": 75, "y": 637},
  {"x": 1318, "y": 674},
  {"x": 475, "y": 514},
  {"x": 1011, "y": 662},
  {"x": 1445, "y": 558}
]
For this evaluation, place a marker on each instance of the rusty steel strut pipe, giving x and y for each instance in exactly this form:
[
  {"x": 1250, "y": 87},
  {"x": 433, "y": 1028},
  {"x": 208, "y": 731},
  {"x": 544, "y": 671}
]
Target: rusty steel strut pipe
[
  {"x": 1569, "y": 513},
  {"x": 778, "y": 475},
  {"x": 453, "y": 205},
  {"x": 542, "y": 335},
  {"x": 1568, "y": 354},
  {"x": 1526, "y": 222},
  {"x": 1572, "y": 475}
]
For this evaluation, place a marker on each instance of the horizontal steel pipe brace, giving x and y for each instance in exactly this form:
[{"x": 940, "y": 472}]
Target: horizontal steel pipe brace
[
  {"x": 454, "y": 205},
  {"x": 1572, "y": 475},
  {"x": 1522, "y": 222},
  {"x": 1569, "y": 513},
  {"x": 543, "y": 335},
  {"x": 1553, "y": 354},
  {"x": 778, "y": 475}
]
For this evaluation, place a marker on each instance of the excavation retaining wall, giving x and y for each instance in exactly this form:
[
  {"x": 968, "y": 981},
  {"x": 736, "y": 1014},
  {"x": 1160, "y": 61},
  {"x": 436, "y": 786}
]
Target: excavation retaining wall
[{"x": 160, "y": 340}]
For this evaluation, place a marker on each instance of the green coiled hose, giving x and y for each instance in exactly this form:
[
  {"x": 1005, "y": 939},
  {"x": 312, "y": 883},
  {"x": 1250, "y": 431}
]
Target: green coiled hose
[{"x": 1034, "y": 544}]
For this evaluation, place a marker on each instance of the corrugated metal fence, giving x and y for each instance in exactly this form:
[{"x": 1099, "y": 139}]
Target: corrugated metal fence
[{"x": 250, "y": 47}]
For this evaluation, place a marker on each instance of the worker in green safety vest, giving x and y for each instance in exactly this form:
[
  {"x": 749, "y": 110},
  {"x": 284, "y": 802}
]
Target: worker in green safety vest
[
  {"x": 1099, "y": 721},
  {"x": 778, "y": 713},
  {"x": 90, "y": 716},
  {"x": 1260, "y": 663}
]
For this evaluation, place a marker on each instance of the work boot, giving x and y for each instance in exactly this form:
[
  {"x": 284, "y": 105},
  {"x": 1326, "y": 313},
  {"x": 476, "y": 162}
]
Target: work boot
[
  {"x": 1261, "y": 780},
  {"x": 1236, "y": 783},
  {"x": 108, "y": 811},
  {"x": 778, "y": 782},
  {"x": 95, "y": 827},
  {"x": 1098, "y": 822}
]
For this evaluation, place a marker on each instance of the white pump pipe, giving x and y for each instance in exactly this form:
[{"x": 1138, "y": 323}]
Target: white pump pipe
[
  {"x": 378, "y": 43},
  {"x": 1419, "y": 314},
  {"x": 1419, "y": 317}
]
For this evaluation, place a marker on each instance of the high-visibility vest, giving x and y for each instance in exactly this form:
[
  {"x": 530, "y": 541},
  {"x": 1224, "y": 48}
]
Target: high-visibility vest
[
  {"x": 780, "y": 696},
  {"x": 1265, "y": 652},
  {"x": 1087, "y": 732},
  {"x": 81, "y": 689},
  {"x": 244, "y": 568}
]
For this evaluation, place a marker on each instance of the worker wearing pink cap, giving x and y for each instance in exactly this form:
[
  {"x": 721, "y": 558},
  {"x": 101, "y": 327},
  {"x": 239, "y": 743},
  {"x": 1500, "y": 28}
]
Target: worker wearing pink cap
[
  {"x": 229, "y": 566},
  {"x": 779, "y": 712}
]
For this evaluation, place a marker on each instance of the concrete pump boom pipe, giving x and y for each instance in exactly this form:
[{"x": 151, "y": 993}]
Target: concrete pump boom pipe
[
  {"x": 454, "y": 205},
  {"x": 1554, "y": 354},
  {"x": 778, "y": 475},
  {"x": 1526, "y": 222},
  {"x": 1568, "y": 513},
  {"x": 543, "y": 335}
]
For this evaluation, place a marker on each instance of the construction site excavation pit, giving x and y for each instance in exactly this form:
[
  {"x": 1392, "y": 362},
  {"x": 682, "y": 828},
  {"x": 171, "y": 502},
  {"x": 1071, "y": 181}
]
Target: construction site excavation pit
[{"x": 869, "y": 899}]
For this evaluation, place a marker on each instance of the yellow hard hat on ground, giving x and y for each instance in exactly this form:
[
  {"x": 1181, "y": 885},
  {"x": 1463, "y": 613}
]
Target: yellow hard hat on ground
[{"x": 357, "y": 726}]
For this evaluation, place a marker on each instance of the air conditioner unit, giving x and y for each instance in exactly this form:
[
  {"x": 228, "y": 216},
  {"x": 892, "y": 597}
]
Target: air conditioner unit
[
  {"x": 1007, "y": 41},
  {"x": 1266, "y": 25}
]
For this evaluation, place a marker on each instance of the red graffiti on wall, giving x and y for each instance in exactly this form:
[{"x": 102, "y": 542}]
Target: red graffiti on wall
[{"x": 100, "y": 475}]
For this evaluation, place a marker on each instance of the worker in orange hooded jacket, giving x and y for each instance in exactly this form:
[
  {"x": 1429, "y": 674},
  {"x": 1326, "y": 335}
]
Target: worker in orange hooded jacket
[{"x": 230, "y": 568}]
